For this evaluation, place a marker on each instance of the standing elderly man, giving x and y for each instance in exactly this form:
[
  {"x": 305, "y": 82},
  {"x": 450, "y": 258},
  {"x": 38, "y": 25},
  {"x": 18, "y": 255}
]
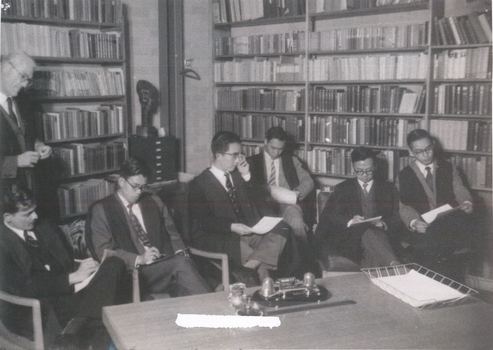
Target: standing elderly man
[
  {"x": 276, "y": 168},
  {"x": 20, "y": 152}
]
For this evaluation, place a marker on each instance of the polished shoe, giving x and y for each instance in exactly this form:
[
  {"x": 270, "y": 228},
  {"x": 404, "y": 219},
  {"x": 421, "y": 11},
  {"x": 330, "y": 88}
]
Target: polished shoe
[{"x": 247, "y": 276}]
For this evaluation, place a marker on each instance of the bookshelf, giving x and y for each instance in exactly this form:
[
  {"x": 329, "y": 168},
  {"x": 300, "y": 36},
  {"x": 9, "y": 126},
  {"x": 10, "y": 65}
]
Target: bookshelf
[
  {"x": 78, "y": 93},
  {"x": 337, "y": 78}
]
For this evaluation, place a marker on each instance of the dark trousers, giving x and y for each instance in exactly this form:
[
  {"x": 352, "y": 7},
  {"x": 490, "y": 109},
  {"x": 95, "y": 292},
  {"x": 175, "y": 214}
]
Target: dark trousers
[
  {"x": 105, "y": 289},
  {"x": 178, "y": 276}
]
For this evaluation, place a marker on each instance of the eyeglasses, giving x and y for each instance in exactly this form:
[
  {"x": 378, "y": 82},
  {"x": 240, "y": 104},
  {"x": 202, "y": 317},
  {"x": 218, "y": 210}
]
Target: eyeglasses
[
  {"x": 24, "y": 76},
  {"x": 364, "y": 172},
  {"x": 234, "y": 155},
  {"x": 427, "y": 150},
  {"x": 137, "y": 187}
]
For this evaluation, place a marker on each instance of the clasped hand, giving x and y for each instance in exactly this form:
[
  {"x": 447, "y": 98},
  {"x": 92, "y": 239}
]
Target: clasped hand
[
  {"x": 241, "y": 229},
  {"x": 149, "y": 256},
  {"x": 86, "y": 268}
]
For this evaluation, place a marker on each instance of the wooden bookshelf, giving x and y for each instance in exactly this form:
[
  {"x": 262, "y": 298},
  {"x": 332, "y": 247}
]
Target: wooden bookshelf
[
  {"x": 75, "y": 42},
  {"x": 356, "y": 27}
]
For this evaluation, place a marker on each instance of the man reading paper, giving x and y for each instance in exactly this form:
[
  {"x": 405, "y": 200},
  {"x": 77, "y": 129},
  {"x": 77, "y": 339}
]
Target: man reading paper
[
  {"x": 341, "y": 230},
  {"x": 223, "y": 213}
]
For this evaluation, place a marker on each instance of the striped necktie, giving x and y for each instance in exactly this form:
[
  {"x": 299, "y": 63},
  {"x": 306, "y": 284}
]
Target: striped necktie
[
  {"x": 272, "y": 175},
  {"x": 234, "y": 200},
  {"x": 143, "y": 236},
  {"x": 11, "y": 111},
  {"x": 429, "y": 178}
]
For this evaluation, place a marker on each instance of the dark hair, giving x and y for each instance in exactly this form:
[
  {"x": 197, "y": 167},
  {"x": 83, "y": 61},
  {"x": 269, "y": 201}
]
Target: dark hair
[
  {"x": 362, "y": 153},
  {"x": 221, "y": 141},
  {"x": 134, "y": 166},
  {"x": 15, "y": 198},
  {"x": 276, "y": 132},
  {"x": 417, "y": 134}
]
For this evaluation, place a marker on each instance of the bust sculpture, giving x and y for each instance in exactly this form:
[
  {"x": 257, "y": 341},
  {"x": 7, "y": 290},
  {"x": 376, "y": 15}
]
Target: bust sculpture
[{"x": 149, "y": 101}]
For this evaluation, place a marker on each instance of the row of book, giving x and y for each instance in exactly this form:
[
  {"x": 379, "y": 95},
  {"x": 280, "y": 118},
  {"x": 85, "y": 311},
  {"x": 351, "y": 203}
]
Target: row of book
[
  {"x": 48, "y": 41},
  {"x": 249, "y": 126},
  {"x": 463, "y": 135},
  {"x": 368, "y": 67},
  {"x": 463, "y": 64},
  {"x": 103, "y": 11},
  {"x": 337, "y": 161},
  {"x": 384, "y": 98},
  {"x": 96, "y": 81},
  {"x": 319, "y": 6},
  {"x": 477, "y": 170},
  {"x": 89, "y": 121},
  {"x": 370, "y": 38},
  {"x": 473, "y": 28},
  {"x": 260, "y": 44},
  {"x": 75, "y": 198},
  {"x": 372, "y": 131},
  {"x": 77, "y": 158},
  {"x": 230, "y": 11},
  {"x": 462, "y": 99},
  {"x": 261, "y": 99}
]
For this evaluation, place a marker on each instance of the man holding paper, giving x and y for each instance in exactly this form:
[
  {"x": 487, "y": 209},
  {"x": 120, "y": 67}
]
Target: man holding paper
[
  {"x": 361, "y": 217},
  {"x": 223, "y": 214},
  {"x": 284, "y": 178},
  {"x": 36, "y": 261},
  {"x": 428, "y": 183}
]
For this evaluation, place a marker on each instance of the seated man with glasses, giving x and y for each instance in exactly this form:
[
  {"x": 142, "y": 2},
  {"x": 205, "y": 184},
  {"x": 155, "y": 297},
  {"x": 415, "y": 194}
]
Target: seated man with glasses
[
  {"x": 223, "y": 213},
  {"x": 341, "y": 232},
  {"x": 138, "y": 226},
  {"x": 20, "y": 152},
  {"x": 425, "y": 184}
]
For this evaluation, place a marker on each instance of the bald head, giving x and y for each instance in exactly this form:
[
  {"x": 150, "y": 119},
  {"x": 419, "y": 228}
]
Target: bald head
[{"x": 17, "y": 69}]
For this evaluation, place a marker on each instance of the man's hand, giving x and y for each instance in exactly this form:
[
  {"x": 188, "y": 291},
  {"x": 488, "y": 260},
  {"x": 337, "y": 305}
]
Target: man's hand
[
  {"x": 380, "y": 224},
  {"x": 419, "y": 226},
  {"x": 27, "y": 159},
  {"x": 243, "y": 166},
  {"x": 86, "y": 268},
  {"x": 241, "y": 229},
  {"x": 466, "y": 207},
  {"x": 43, "y": 150},
  {"x": 148, "y": 257},
  {"x": 357, "y": 218}
]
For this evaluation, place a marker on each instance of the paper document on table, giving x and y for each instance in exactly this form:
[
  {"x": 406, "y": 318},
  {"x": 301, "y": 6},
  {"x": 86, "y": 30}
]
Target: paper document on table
[
  {"x": 437, "y": 213},
  {"x": 266, "y": 224},
  {"x": 420, "y": 289},
  {"x": 283, "y": 195},
  {"x": 220, "y": 321},
  {"x": 369, "y": 221},
  {"x": 81, "y": 285}
]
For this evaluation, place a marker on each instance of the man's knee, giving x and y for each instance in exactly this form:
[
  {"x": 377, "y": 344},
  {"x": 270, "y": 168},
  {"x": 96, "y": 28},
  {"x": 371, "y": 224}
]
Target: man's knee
[{"x": 113, "y": 264}]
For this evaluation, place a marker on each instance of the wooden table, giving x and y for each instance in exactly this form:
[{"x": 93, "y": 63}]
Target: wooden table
[{"x": 358, "y": 315}]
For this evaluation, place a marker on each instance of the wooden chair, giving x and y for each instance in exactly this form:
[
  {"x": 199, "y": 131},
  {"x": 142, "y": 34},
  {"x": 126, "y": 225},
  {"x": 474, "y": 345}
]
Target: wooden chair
[{"x": 42, "y": 338}]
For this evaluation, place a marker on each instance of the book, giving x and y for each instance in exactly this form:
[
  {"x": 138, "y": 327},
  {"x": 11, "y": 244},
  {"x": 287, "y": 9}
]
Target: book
[
  {"x": 266, "y": 224},
  {"x": 438, "y": 213}
]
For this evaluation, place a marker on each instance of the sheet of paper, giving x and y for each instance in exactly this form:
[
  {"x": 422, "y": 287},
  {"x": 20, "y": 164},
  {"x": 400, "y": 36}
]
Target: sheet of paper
[
  {"x": 432, "y": 215},
  {"x": 220, "y": 321},
  {"x": 266, "y": 224},
  {"x": 370, "y": 221},
  {"x": 421, "y": 289},
  {"x": 81, "y": 285},
  {"x": 283, "y": 195}
]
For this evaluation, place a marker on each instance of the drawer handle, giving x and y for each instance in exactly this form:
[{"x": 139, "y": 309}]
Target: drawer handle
[
  {"x": 158, "y": 142},
  {"x": 158, "y": 157},
  {"x": 158, "y": 149}
]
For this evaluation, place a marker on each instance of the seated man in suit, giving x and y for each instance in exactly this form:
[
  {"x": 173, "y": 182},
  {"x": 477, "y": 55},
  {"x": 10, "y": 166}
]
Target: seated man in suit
[
  {"x": 138, "y": 226},
  {"x": 275, "y": 168},
  {"x": 425, "y": 184},
  {"x": 223, "y": 213},
  {"x": 339, "y": 231},
  {"x": 36, "y": 261}
]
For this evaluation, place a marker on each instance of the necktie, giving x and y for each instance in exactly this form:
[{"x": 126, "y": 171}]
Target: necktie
[
  {"x": 143, "y": 236},
  {"x": 33, "y": 243},
  {"x": 272, "y": 175},
  {"x": 234, "y": 200},
  {"x": 11, "y": 111},
  {"x": 365, "y": 189},
  {"x": 429, "y": 177}
]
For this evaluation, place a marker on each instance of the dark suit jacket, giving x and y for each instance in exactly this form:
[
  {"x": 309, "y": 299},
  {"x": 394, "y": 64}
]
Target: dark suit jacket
[
  {"x": 345, "y": 203},
  {"x": 212, "y": 213}
]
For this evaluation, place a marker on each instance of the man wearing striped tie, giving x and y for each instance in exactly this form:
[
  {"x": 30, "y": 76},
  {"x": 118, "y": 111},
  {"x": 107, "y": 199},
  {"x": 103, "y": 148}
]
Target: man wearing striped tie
[{"x": 223, "y": 212}]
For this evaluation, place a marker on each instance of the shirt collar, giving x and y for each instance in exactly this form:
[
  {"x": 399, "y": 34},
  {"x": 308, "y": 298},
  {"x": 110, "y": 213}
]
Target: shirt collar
[
  {"x": 370, "y": 184},
  {"x": 18, "y": 232},
  {"x": 124, "y": 201},
  {"x": 3, "y": 101},
  {"x": 422, "y": 167}
]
